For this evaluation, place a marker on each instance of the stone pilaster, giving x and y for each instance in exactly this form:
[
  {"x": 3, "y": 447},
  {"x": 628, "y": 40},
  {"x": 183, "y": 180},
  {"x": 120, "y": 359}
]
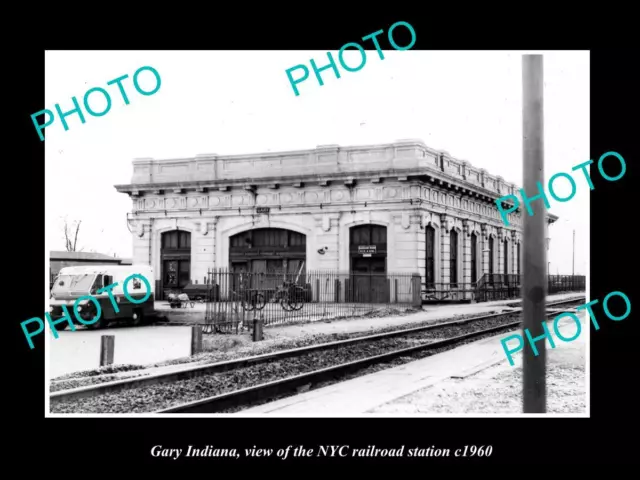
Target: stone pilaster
[
  {"x": 142, "y": 236},
  {"x": 421, "y": 241},
  {"x": 484, "y": 249},
  {"x": 327, "y": 232},
  {"x": 204, "y": 240}
]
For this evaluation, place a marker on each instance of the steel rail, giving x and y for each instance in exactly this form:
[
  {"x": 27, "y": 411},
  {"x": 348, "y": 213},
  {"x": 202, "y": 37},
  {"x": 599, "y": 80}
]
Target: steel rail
[
  {"x": 276, "y": 388},
  {"x": 204, "y": 370}
]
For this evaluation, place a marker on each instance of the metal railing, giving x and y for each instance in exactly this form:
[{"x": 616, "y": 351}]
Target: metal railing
[
  {"x": 567, "y": 283},
  {"x": 506, "y": 286},
  {"x": 449, "y": 292},
  {"x": 235, "y": 299}
]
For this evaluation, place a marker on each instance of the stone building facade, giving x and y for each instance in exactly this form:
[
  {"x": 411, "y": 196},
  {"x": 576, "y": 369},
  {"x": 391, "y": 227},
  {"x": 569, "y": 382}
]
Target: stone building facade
[{"x": 396, "y": 208}]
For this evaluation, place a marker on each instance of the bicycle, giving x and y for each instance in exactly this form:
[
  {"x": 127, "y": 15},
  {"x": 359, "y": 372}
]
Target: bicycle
[
  {"x": 290, "y": 296},
  {"x": 252, "y": 300}
]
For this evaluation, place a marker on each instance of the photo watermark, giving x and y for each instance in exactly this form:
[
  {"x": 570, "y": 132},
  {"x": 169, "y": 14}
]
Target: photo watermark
[
  {"x": 82, "y": 302},
  {"x": 512, "y": 207},
  {"x": 363, "y": 54},
  {"x": 107, "y": 108},
  {"x": 574, "y": 317}
]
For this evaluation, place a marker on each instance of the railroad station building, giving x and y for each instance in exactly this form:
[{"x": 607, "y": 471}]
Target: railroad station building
[{"x": 391, "y": 208}]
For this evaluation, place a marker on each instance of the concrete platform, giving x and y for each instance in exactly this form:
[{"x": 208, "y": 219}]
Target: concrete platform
[{"x": 420, "y": 387}]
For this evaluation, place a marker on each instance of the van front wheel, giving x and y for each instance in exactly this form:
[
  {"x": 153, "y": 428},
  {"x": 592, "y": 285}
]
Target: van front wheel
[{"x": 138, "y": 317}]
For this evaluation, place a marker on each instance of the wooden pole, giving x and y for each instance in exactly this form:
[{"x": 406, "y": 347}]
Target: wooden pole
[
  {"x": 534, "y": 288},
  {"x": 107, "y": 348},
  {"x": 196, "y": 339}
]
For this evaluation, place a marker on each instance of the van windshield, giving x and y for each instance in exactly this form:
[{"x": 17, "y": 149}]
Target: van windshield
[{"x": 73, "y": 284}]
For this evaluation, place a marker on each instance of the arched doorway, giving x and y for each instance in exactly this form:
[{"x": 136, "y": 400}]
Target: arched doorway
[
  {"x": 275, "y": 252},
  {"x": 368, "y": 264},
  {"x": 175, "y": 252}
]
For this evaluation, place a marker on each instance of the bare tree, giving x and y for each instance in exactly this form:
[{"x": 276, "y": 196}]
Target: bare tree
[{"x": 71, "y": 231}]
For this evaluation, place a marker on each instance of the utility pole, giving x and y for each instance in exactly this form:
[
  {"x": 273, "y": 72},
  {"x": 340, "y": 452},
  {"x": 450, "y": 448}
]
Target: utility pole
[{"x": 534, "y": 286}]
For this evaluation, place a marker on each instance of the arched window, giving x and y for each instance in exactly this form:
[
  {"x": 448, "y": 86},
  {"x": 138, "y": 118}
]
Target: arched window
[
  {"x": 453, "y": 257},
  {"x": 474, "y": 262},
  {"x": 268, "y": 250},
  {"x": 430, "y": 254},
  {"x": 491, "y": 253},
  {"x": 506, "y": 257}
]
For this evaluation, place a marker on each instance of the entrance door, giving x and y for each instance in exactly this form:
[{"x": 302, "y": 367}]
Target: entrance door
[
  {"x": 176, "y": 261},
  {"x": 370, "y": 284}
]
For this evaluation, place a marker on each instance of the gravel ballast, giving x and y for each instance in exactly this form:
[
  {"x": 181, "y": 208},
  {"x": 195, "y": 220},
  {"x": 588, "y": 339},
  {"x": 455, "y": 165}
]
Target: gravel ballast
[
  {"x": 155, "y": 397},
  {"x": 228, "y": 347}
]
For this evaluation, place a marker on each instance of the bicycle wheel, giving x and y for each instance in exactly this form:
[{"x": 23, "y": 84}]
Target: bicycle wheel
[
  {"x": 284, "y": 303},
  {"x": 296, "y": 299},
  {"x": 259, "y": 301},
  {"x": 247, "y": 304},
  {"x": 293, "y": 305},
  {"x": 296, "y": 304}
]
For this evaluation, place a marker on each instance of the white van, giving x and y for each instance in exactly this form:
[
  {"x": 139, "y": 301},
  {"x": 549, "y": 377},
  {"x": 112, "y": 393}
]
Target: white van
[{"x": 75, "y": 282}]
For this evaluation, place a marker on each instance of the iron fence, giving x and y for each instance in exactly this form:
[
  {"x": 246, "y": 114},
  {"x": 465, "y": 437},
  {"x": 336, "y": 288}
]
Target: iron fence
[
  {"x": 506, "y": 286},
  {"x": 567, "y": 283},
  {"x": 449, "y": 292},
  {"x": 235, "y": 299}
]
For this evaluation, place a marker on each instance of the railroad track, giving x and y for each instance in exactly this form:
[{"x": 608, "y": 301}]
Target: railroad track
[
  {"x": 282, "y": 386},
  {"x": 270, "y": 391}
]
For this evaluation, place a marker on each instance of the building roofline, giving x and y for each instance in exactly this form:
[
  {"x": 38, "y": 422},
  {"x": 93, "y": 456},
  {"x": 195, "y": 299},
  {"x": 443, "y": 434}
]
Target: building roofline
[
  {"x": 408, "y": 158},
  {"x": 322, "y": 149}
]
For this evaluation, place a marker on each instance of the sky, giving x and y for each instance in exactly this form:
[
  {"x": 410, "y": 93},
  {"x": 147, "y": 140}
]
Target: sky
[{"x": 239, "y": 102}]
